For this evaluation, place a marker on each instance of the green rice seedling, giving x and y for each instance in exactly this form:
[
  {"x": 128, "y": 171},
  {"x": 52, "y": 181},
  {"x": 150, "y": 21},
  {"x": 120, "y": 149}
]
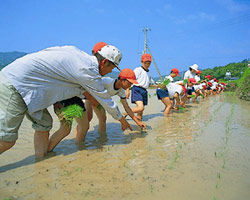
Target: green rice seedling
[
  {"x": 171, "y": 166},
  {"x": 166, "y": 82},
  {"x": 224, "y": 164},
  {"x": 154, "y": 94},
  {"x": 214, "y": 198},
  {"x": 79, "y": 169},
  {"x": 181, "y": 108},
  {"x": 159, "y": 140},
  {"x": 202, "y": 95},
  {"x": 149, "y": 148},
  {"x": 88, "y": 193},
  {"x": 217, "y": 185},
  {"x": 72, "y": 111},
  {"x": 99, "y": 107},
  {"x": 215, "y": 154},
  {"x": 218, "y": 175},
  {"x": 185, "y": 81},
  {"x": 133, "y": 152},
  {"x": 192, "y": 96},
  {"x": 151, "y": 188},
  {"x": 149, "y": 95}
]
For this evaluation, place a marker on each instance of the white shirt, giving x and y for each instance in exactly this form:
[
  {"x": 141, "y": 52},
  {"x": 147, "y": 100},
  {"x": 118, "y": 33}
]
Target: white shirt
[
  {"x": 197, "y": 86},
  {"x": 56, "y": 74},
  {"x": 173, "y": 88},
  {"x": 170, "y": 78},
  {"x": 188, "y": 74},
  {"x": 109, "y": 84},
  {"x": 197, "y": 78},
  {"x": 142, "y": 77}
]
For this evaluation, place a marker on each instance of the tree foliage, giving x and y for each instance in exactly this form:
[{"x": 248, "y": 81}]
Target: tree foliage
[{"x": 219, "y": 72}]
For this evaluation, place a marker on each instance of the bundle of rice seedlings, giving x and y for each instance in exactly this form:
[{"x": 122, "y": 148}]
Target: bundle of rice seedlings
[{"x": 69, "y": 112}]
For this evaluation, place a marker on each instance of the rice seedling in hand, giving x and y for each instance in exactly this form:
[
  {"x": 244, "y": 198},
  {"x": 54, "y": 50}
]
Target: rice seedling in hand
[
  {"x": 185, "y": 81},
  {"x": 72, "y": 111}
]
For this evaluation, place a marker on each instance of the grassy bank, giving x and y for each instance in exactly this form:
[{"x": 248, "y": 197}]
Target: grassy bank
[{"x": 241, "y": 86}]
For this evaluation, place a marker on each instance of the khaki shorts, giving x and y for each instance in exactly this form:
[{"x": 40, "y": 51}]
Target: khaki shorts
[{"x": 12, "y": 111}]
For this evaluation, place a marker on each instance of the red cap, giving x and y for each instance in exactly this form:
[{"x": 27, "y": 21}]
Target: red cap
[
  {"x": 214, "y": 79},
  {"x": 176, "y": 71},
  {"x": 204, "y": 87},
  {"x": 210, "y": 84},
  {"x": 192, "y": 80},
  {"x": 129, "y": 75},
  {"x": 198, "y": 72},
  {"x": 146, "y": 57},
  {"x": 217, "y": 80},
  {"x": 98, "y": 46}
]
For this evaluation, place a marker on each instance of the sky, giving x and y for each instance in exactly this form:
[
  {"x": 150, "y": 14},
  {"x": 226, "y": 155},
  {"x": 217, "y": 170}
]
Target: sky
[{"x": 209, "y": 33}]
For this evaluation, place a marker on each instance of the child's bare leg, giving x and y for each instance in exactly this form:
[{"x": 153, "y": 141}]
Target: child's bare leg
[
  {"x": 166, "y": 101},
  {"x": 89, "y": 109},
  {"x": 4, "y": 146},
  {"x": 101, "y": 115},
  {"x": 61, "y": 133},
  {"x": 82, "y": 127},
  {"x": 139, "y": 109},
  {"x": 41, "y": 141}
]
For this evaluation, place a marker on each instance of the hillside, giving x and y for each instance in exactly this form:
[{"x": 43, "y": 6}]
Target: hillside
[
  {"x": 8, "y": 57},
  {"x": 219, "y": 72}
]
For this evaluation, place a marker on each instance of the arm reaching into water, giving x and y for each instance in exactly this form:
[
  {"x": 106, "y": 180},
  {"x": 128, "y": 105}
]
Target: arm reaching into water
[
  {"x": 131, "y": 114},
  {"x": 95, "y": 103}
]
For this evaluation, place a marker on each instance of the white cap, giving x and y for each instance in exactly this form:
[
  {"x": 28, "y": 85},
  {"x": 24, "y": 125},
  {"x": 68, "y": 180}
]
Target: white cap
[
  {"x": 111, "y": 53},
  {"x": 194, "y": 67}
]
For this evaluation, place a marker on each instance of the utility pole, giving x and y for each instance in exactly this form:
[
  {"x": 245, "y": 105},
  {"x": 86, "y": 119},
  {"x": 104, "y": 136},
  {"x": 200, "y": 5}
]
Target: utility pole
[{"x": 145, "y": 30}]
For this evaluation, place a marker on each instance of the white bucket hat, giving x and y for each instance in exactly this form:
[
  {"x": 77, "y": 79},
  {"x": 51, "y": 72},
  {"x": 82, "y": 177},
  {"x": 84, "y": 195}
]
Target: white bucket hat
[
  {"x": 112, "y": 54},
  {"x": 194, "y": 67}
]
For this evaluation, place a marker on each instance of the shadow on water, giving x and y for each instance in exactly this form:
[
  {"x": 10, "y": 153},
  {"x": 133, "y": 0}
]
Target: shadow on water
[
  {"x": 148, "y": 117},
  {"x": 93, "y": 140}
]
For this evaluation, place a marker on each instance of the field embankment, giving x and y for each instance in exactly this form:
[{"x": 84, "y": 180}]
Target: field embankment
[{"x": 241, "y": 86}]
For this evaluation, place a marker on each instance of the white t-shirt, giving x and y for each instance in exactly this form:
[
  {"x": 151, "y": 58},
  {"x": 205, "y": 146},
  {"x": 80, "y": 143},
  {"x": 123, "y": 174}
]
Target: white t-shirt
[
  {"x": 55, "y": 74},
  {"x": 188, "y": 74},
  {"x": 173, "y": 88},
  {"x": 170, "y": 78},
  {"x": 197, "y": 78},
  {"x": 142, "y": 77},
  {"x": 109, "y": 84}
]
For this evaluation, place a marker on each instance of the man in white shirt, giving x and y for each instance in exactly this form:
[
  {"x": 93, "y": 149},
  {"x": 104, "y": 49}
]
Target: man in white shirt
[
  {"x": 34, "y": 82},
  {"x": 191, "y": 72}
]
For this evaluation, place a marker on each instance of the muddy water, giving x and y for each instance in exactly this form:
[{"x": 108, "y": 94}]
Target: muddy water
[{"x": 201, "y": 153}]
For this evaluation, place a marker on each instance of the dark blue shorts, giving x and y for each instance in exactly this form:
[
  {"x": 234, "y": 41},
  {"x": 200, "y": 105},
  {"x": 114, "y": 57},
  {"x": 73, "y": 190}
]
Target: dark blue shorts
[
  {"x": 208, "y": 88},
  {"x": 190, "y": 91},
  {"x": 161, "y": 93},
  {"x": 139, "y": 94},
  {"x": 72, "y": 101}
]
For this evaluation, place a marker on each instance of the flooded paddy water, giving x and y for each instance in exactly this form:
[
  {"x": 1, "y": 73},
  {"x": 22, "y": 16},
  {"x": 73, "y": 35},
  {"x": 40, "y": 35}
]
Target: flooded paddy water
[{"x": 200, "y": 153}]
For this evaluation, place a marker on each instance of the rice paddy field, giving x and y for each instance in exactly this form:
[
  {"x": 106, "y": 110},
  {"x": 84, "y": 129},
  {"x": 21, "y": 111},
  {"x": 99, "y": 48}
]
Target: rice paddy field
[{"x": 202, "y": 152}]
